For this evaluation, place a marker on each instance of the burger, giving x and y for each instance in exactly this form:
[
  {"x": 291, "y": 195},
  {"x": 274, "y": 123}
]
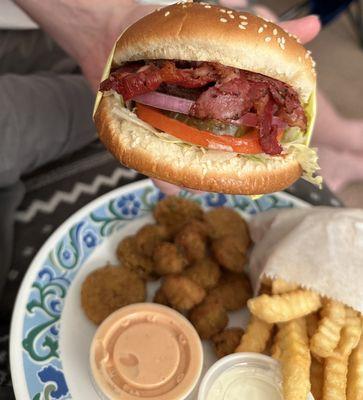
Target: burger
[{"x": 212, "y": 99}]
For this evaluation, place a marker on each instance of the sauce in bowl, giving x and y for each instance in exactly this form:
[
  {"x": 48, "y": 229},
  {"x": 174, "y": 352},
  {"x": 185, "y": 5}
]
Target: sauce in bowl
[
  {"x": 146, "y": 351},
  {"x": 243, "y": 376}
]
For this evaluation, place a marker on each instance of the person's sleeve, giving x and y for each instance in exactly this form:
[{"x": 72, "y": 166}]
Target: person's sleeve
[{"x": 42, "y": 118}]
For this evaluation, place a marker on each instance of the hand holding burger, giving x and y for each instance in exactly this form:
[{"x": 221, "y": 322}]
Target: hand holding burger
[{"x": 211, "y": 99}]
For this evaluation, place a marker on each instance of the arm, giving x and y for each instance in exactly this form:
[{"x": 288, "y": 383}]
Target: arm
[{"x": 85, "y": 29}]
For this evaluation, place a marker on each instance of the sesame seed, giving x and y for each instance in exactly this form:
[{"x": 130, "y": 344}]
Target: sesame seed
[
  {"x": 167, "y": 13},
  {"x": 279, "y": 40},
  {"x": 222, "y": 10},
  {"x": 244, "y": 23},
  {"x": 243, "y": 17},
  {"x": 306, "y": 55},
  {"x": 282, "y": 46},
  {"x": 283, "y": 41},
  {"x": 222, "y": 19},
  {"x": 207, "y": 6},
  {"x": 231, "y": 16},
  {"x": 296, "y": 38},
  {"x": 229, "y": 12},
  {"x": 241, "y": 26},
  {"x": 313, "y": 63},
  {"x": 274, "y": 31},
  {"x": 264, "y": 25},
  {"x": 268, "y": 39},
  {"x": 184, "y": 6},
  {"x": 309, "y": 52},
  {"x": 260, "y": 29}
]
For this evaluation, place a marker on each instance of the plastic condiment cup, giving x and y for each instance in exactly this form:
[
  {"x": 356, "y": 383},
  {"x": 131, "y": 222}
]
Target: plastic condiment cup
[
  {"x": 243, "y": 376},
  {"x": 146, "y": 351}
]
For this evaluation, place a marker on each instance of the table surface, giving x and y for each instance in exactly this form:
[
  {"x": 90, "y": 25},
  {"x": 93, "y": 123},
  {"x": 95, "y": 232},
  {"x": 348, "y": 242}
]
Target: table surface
[{"x": 96, "y": 170}]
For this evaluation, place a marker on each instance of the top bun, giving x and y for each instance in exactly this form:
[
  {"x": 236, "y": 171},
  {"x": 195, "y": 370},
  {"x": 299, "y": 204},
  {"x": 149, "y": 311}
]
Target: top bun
[{"x": 202, "y": 32}]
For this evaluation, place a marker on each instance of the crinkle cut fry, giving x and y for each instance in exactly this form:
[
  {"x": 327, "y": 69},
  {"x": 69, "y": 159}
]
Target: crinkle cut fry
[
  {"x": 312, "y": 322},
  {"x": 280, "y": 286},
  {"x": 350, "y": 334},
  {"x": 284, "y": 307},
  {"x": 316, "y": 378},
  {"x": 355, "y": 373},
  {"x": 256, "y": 336},
  {"x": 335, "y": 378},
  {"x": 327, "y": 335},
  {"x": 293, "y": 344}
]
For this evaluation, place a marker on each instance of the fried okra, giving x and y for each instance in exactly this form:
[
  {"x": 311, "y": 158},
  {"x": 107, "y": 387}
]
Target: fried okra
[
  {"x": 209, "y": 318},
  {"x": 198, "y": 226},
  {"x": 174, "y": 212},
  {"x": 205, "y": 273},
  {"x": 181, "y": 292},
  {"x": 233, "y": 291},
  {"x": 149, "y": 236},
  {"x": 131, "y": 258},
  {"x": 230, "y": 253},
  {"x": 168, "y": 259},
  {"x": 226, "y": 342},
  {"x": 192, "y": 244},
  {"x": 107, "y": 289},
  {"x": 225, "y": 221}
]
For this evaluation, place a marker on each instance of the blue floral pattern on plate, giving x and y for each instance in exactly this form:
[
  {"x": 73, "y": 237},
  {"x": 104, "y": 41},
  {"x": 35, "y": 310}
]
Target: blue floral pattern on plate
[{"x": 40, "y": 349}]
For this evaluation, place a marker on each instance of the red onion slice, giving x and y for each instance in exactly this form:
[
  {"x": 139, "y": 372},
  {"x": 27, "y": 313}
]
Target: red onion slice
[
  {"x": 165, "y": 102},
  {"x": 178, "y": 104},
  {"x": 250, "y": 119}
]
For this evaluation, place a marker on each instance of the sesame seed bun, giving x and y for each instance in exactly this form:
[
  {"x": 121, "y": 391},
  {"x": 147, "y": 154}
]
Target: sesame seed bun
[{"x": 202, "y": 32}]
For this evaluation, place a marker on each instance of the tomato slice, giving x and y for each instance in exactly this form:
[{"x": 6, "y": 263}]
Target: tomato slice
[{"x": 248, "y": 144}]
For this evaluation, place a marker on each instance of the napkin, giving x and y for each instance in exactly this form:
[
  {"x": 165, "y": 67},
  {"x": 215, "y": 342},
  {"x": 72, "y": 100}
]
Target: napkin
[{"x": 318, "y": 248}]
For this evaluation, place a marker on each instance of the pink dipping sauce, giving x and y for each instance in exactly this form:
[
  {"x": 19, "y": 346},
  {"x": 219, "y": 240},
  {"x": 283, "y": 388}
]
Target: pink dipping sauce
[{"x": 146, "y": 351}]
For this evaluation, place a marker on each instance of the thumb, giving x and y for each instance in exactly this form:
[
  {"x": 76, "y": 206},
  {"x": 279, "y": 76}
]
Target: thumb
[{"x": 306, "y": 29}]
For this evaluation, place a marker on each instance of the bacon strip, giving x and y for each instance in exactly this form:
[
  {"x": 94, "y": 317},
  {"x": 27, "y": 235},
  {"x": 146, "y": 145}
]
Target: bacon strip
[
  {"x": 131, "y": 84},
  {"x": 234, "y": 94},
  {"x": 267, "y": 132},
  {"x": 188, "y": 77}
]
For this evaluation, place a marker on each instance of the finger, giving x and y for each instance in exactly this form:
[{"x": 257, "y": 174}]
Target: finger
[
  {"x": 172, "y": 190},
  {"x": 236, "y": 4},
  {"x": 305, "y": 28},
  {"x": 166, "y": 188}
]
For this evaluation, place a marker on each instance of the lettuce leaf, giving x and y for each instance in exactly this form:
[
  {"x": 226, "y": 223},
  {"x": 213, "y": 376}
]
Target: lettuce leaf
[{"x": 294, "y": 142}]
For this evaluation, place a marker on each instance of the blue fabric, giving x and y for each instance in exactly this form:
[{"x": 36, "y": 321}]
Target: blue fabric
[{"x": 328, "y": 10}]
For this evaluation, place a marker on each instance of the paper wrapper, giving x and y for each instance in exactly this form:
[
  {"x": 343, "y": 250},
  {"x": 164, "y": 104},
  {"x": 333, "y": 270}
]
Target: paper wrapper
[{"x": 319, "y": 248}]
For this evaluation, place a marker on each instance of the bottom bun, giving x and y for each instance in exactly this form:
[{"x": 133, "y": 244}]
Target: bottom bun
[{"x": 137, "y": 147}]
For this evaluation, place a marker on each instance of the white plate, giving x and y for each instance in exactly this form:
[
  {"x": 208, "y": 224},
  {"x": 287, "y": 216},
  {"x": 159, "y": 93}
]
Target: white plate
[{"x": 50, "y": 336}]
